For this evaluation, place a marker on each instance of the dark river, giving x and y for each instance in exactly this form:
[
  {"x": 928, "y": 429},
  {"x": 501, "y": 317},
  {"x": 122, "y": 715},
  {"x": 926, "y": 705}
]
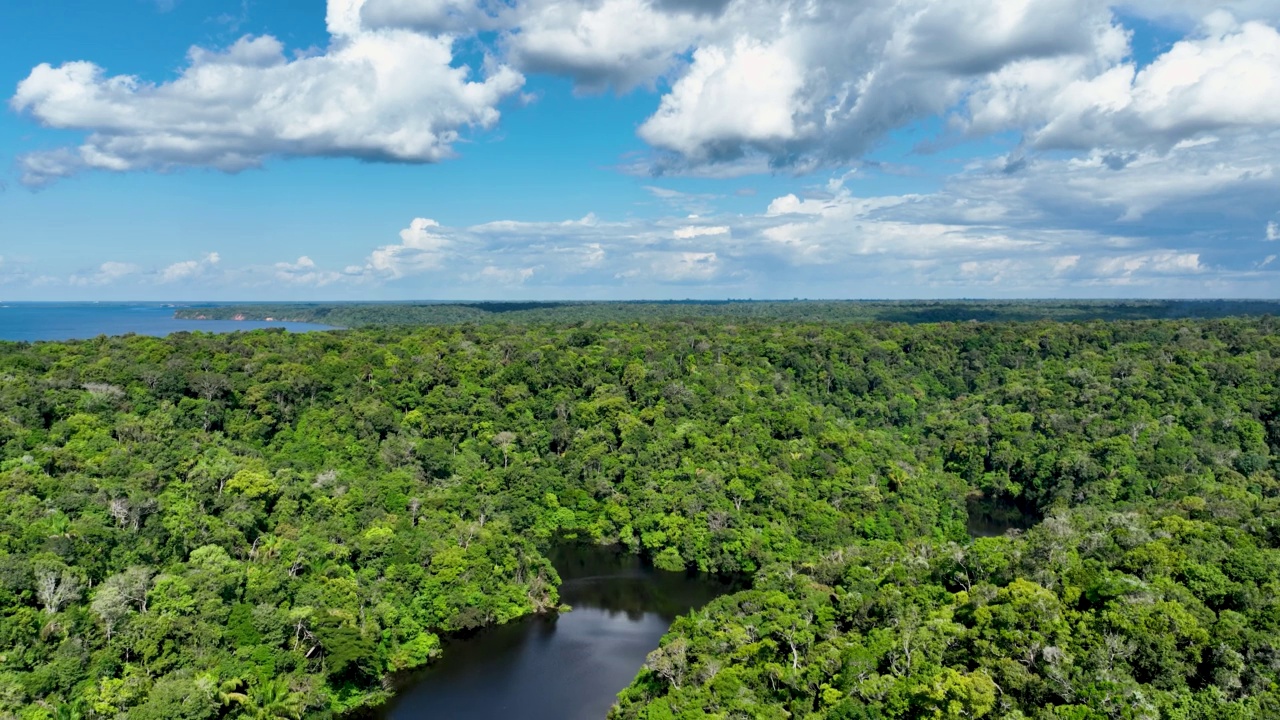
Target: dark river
[{"x": 567, "y": 667}]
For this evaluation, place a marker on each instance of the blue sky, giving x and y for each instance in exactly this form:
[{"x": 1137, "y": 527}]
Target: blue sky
[{"x": 548, "y": 149}]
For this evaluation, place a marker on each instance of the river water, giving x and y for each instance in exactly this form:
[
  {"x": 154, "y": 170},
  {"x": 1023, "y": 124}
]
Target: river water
[
  {"x": 79, "y": 321},
  {"x": 566, "y": 667}
]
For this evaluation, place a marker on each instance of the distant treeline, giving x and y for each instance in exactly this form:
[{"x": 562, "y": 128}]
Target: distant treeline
[{"x": 905, "y": 311}]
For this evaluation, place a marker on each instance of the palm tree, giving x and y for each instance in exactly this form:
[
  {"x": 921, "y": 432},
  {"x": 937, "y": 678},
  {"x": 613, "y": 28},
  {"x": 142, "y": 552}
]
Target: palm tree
[
  {"x": 273, "y": 701},
  {"x": 222, "y": 694},
  {"x": 228, "y": 693},
  {"x": 59, "y": 525}
]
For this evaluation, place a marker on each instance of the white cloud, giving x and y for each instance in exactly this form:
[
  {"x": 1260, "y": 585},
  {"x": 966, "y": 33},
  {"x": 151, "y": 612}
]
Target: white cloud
[
  {"x": 593, "y": 255},
  {"x": 623, "y": 43},
  {"x": 188, "y": 269},
  {"x": 388, "y": 95},
  {"x": 986, "y": 231},
  {"x": 750, "y": 86},
  {"x": 422, "y": 247},
  {"x": 798, "y": 84},
  {"x": 421, "y": 235},
  {"x": 1065, "y": 263},
  {"x": 1053, "y": 228},
  {"x": 697, "y": 231},
  {"x": 1123, "y": 269},
  {"x": 1113, "y": 165},
  {"x": 1233, "y": 180},
  {"x": 304, "y": 272},
  {"x": 1220, "y": 82},
  {"x": 801, "y": 83},
  {"x": 733, "y": 97},
  {"x": 106, "y": 274},
  {"x": 674, "y": 267},
  {"x": 502, "y": 276},
  {"x": 431, "y": 15}
]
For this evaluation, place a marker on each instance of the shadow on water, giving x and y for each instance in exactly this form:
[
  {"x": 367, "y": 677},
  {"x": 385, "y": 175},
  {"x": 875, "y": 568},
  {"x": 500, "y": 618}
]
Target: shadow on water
[
  {"x": 559, "y": 667},
  {"x": 993, "y": 517}
]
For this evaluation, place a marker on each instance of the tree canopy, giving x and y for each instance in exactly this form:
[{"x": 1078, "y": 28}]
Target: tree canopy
[{"x": 269, "y": 525}]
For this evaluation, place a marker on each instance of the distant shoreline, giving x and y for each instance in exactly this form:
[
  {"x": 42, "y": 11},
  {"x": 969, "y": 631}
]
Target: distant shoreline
[{"x": 355, "y": 314}]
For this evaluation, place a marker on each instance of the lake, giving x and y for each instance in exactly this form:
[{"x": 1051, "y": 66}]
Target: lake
[
  {"x": 990, "y": 517},
  {"x": 566, "y": 667},
  {"x": 77, "y": 321}
]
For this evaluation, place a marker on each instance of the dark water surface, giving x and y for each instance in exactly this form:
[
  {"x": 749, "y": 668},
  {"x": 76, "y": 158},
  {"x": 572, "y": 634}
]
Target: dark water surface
[
  {"x": 993, "y": 518},
  {"x": 78, "y": 321},
  {"x": 569, "y": 667}
]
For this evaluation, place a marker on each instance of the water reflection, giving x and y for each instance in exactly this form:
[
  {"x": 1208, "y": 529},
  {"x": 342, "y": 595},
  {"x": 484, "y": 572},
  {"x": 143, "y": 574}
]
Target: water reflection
[
  {"x": 567, "y": 667},
  {"x": 991, "y": 517}
]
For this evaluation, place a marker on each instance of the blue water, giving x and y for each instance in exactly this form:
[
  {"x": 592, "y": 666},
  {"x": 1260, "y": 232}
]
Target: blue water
[{"x": 77, "y": 321}]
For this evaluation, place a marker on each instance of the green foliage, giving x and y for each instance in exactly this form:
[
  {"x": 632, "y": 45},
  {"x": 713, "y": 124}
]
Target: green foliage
[
  {"x": 268, "y": 525},
  {"x": 906, "y": 311}
]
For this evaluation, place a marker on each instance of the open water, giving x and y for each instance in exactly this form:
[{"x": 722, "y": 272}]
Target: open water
[
  {"x": 78, "y": 321},
  {"x": 566, "y": 667}
]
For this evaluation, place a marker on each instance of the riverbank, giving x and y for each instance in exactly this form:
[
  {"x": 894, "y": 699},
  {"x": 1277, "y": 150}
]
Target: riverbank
[{"x": 558, "y": 666}]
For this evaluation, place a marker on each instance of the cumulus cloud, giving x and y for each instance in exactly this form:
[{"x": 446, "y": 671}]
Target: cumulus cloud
[
  {"x": 434, "y": 15},
  {"x": 1058, "y": 227},
  {"x": 757, "y": 85},
  {"x": 731, "y": 99},
  {"x": 1176, "y": 188},
  {"x": 696, "y": 231},
  {"x": 304, "y": 272},
  {"x": 1221, "y": 82},
  {"x": 1164, "y": 263},
  {"x": 189, "y": 269},
  {"x": 985, "y": 232},
  {"x": 423, "y": 246},
  {"x": 747, "y": 85},
  {"x": 801, "y": 83},
  {"x": 620, "y": 43},
  {"x": 1111, "y": 166},
  {"x": 383, "y": 95}
]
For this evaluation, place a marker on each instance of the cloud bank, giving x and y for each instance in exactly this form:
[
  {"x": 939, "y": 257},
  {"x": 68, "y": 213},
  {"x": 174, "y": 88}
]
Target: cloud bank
[
  {"x": 748, "y": 85},
  {"x": 1098, "y": 171}
]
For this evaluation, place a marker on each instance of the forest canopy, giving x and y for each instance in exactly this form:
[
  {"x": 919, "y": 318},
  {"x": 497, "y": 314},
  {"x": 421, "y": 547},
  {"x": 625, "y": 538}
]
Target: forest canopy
[
  {"x": 354, "y": 315},
  {"x": 270, "y": 525}
]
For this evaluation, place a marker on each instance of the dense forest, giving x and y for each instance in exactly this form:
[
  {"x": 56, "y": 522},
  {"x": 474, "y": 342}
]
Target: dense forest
[
  {"x": 355, "y": 315},
  {"x": 270, "y": 525}
]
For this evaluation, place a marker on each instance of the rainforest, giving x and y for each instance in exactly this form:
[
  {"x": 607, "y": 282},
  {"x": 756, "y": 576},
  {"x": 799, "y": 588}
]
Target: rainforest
[{"x": 276, "y": 525}]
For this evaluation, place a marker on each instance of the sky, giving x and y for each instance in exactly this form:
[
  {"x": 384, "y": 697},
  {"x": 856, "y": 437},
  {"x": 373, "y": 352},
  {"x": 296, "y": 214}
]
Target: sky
[{"x": 638, "y": 149}]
